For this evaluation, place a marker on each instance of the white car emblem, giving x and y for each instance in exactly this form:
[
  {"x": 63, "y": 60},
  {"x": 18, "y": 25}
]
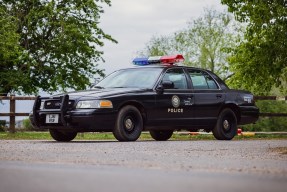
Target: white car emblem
[{"x": 175, "y": 101}]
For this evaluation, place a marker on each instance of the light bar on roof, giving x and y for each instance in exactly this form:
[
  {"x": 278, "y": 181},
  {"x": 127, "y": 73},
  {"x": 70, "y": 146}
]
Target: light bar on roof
[
  {"x": 154, "y": 59},
  {"x": 168, "y": 59},
  {"x": 141, "y": 61}
]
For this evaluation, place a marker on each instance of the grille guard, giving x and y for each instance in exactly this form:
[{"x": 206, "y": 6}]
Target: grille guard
[{"x": 63, "y": 109}]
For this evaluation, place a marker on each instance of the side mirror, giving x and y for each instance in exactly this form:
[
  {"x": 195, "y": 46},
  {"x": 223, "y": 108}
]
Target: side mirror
[
  {"x": 167, "y": 85},
  {"x": 164, "y": 85}
]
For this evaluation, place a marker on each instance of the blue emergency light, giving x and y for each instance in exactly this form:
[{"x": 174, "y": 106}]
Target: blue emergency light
[
  {"x": 141, "y": 61},
  {"x": 168, "y": 60}
]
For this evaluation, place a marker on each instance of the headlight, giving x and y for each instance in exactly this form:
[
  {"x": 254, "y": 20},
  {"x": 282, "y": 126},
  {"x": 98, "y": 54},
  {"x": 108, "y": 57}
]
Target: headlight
[
  {"x": 248, "y": 99},
  {"x": 94, "y": 104}
]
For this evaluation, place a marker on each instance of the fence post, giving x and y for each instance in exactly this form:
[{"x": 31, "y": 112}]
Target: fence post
[{"x": 12, "y": 114}]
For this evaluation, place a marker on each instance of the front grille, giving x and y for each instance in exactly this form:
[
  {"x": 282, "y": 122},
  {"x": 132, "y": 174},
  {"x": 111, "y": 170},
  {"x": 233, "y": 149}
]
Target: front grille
[{"x": 56, "y": 104}]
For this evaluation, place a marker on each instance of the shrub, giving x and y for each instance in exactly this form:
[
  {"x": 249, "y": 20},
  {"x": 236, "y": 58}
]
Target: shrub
[
  {"x": 27, "y": 125},
  {"x": 269, "y": 123},
  {"x": 2, "y": 125}
]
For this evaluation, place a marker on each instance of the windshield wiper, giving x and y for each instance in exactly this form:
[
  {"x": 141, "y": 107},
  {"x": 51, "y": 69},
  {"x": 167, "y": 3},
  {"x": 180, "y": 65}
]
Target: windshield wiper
[{"x": 97, "y": 87}]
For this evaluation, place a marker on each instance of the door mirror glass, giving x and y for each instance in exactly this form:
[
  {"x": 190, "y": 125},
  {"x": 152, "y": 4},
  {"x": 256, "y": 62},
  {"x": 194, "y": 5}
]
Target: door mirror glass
[{"x": 167, "y": 85}]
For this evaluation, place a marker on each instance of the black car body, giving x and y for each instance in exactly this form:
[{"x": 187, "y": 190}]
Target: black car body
[{"x": 158, "y": 98}]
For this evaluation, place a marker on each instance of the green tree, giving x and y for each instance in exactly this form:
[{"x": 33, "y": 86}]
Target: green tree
[
  {"x": 204, "y": 43},
  {"x": 60, "y": 44},
  {"x": 10, "y": 52},
  {"x": 260, "y": 61},
  {"x": 158, "y": 46}
]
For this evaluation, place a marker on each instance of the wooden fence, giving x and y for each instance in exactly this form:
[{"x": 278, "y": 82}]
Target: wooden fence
[
  {"x": 13, "y": 113},
  {"x": 256, "y": 98}
]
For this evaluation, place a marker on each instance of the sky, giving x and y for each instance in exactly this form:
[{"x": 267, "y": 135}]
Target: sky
[{"x": 133, "y": 23}]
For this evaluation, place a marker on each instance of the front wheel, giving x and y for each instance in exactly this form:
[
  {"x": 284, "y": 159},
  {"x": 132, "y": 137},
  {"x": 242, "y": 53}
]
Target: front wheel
[
  {"x": 226, "y": 126},
  {"x": 62, "y": 135},
  {"x": 129, "y": 124},
  {"x": 161, "y": 135}
]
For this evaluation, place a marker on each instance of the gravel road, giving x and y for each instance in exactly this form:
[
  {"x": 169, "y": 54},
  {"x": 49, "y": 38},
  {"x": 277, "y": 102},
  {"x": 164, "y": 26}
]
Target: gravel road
[{"x": 253, "y": 165}]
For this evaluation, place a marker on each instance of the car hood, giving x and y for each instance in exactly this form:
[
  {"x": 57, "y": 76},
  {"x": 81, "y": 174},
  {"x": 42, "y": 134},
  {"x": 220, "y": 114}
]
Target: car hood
[{"x": 100, "y": 93}]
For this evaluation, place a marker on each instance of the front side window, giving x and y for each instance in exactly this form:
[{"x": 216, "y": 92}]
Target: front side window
[
  {"x": 201, "y": 80},
  {"x": 176, "y": 76}
]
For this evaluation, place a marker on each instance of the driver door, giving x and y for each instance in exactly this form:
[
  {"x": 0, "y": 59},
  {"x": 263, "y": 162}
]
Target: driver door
[{"x": 174, "y": 105}]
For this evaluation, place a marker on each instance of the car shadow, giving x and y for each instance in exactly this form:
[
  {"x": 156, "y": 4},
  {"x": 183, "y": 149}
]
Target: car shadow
[{"x": 113, "y": 141}]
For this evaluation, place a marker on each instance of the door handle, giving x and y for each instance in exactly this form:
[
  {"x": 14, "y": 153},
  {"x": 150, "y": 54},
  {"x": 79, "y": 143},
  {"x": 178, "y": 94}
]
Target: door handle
[
  {"x": 190, "y": 97},
  {"x": 218, "y": 95}
]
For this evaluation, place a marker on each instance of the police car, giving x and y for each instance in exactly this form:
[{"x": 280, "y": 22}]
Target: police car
[{"x": 156, "y": 96}]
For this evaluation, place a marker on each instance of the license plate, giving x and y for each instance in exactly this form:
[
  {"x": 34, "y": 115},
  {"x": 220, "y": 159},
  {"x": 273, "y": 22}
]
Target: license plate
[{"x": 52, "y": 118}]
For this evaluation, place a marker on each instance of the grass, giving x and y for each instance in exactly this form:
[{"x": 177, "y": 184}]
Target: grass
[
  {"x": 25, "y": 136},
  {"x": 109, "y": 136}
]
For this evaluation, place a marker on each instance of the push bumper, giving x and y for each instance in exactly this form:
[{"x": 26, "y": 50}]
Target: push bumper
[{"x": 80, "y": 120}]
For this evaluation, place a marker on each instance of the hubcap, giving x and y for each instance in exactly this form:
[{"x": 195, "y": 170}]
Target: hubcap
[
  {"x": 226, "y": 124},
  {"x": 129, "y": 124}
]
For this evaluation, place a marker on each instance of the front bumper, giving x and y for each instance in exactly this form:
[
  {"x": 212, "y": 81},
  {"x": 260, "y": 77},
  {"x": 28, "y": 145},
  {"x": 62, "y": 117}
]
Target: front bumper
[
  {"x": 249, "y": 114},
  {"x": 80, "y": 120}
]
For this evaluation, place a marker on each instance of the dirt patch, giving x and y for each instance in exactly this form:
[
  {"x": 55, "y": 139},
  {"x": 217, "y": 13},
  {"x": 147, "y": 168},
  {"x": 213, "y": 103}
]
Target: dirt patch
[{"x": 281, "y": 150}]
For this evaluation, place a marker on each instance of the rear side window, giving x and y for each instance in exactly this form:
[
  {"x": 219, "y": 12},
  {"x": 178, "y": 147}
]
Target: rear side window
[{"x": 201, "y": 80}]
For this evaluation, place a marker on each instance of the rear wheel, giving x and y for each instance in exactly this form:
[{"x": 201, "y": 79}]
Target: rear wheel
[
  {"x": 161, "y": 135},
  {"x": 129, "y": 124},
  {"x": 62, "y": 135},
  {"x": 226, "y": 126}
]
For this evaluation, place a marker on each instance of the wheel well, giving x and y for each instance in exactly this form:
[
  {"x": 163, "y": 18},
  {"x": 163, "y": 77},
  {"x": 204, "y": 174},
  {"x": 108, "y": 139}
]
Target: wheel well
[
  {"x": 234, "y": 108},
  {"x": 138, "y": 106}
]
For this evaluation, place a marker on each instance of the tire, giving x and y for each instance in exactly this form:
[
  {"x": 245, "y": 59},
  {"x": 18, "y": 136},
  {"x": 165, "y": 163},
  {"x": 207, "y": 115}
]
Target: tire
[
  {"x": 129, "y": 124},
  {"x": 62, "y": 136},
  {"x": 161, "y": 135},
  {"x": 226, "y": 126}
]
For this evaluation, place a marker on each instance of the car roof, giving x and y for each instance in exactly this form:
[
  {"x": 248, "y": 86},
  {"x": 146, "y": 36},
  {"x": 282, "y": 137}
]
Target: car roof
[{"x": 165, "y": 66}]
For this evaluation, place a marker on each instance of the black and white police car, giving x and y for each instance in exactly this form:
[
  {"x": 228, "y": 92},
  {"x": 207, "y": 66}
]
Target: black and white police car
[{"x": 160, "y": 98}]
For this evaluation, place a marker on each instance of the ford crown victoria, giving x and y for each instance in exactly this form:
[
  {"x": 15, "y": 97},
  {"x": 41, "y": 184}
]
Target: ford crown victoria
[{"x": 159, "y": 98}]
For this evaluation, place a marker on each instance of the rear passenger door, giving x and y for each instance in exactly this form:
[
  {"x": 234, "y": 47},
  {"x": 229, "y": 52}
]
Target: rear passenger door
[{"x": 208, "y": 97}]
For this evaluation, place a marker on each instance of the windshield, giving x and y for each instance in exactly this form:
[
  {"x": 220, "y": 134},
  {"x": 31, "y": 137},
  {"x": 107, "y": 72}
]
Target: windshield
[{"x": 134, "y": 78}]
